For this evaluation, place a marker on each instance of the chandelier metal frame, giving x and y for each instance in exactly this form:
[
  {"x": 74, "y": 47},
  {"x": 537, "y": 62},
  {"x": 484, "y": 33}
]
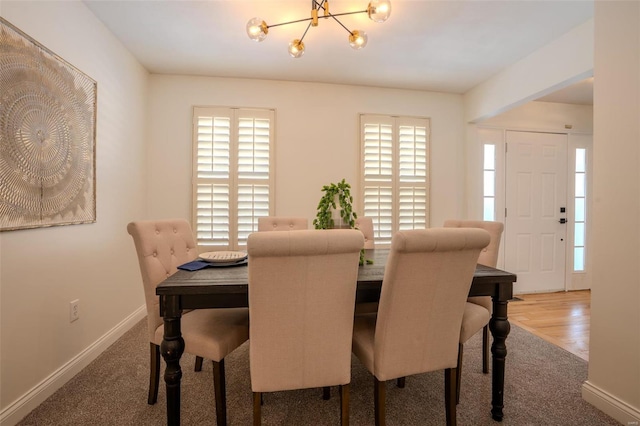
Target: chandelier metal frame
[{"x": 377, "y": 10}]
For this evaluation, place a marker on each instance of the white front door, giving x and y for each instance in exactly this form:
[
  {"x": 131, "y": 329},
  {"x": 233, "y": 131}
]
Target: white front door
[{"x": 536, "y": 200}]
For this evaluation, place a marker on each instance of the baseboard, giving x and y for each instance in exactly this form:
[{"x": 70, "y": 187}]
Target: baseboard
[
  {"x": 38, "y": 394},
  {"x": 610, "y": 405}
]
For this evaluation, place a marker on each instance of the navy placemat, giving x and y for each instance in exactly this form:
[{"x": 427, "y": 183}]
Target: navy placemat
[{"x": 196, "y": 265}]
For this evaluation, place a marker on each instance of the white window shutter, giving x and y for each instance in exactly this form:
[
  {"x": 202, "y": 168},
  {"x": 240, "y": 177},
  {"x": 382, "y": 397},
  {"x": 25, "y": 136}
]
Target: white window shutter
[
  {"x": 233, "y": 174},
  {"x": 411, "y": 193},
  {"x": 394, "y": 173},
  {"x": 212, "y": 215}
]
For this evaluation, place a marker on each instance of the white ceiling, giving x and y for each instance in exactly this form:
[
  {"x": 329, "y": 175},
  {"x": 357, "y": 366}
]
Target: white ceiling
[{"x": 445, "y": 46}]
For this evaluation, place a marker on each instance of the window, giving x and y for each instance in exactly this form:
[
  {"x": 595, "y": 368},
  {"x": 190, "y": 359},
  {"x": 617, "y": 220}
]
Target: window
[
  {"x": 489, "y": 180},
  {"x": 580, "y": 199},
  {"x": 395, "y": 174},
  {"x": 232, "y": 174}
]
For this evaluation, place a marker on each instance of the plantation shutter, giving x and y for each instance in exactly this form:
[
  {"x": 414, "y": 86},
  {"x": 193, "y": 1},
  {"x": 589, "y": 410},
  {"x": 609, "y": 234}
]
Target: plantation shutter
[
  {"x": 232, "y": 174},
  {"x": 412, "y": 174},
  {"x": 254, "y": 137},
  {"x": 378, "y": 159},
  {"x": 394, "y": 173}
]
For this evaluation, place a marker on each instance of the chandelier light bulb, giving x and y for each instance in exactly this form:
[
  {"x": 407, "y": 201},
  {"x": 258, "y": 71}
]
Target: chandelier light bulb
[
  {"x": 379, "y": 10},
  {"x": 296, "y": 48},
  {"x": 358, "y": 39},
  {"x": 257, "y": 29}
]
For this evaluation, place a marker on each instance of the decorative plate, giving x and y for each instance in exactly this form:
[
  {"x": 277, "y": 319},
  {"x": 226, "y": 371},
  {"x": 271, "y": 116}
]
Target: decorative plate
[{"x": 223, "y": 256}]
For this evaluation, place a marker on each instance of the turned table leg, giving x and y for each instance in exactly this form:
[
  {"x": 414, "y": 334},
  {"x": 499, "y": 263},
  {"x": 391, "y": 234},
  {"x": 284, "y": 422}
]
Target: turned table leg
[
  {"x": 500, "y": 327},
  {"x": 172, "y": 348}
]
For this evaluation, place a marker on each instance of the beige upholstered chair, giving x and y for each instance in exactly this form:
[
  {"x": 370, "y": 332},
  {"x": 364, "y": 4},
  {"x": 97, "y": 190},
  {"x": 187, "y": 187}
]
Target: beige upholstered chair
[
  {"x": 478, "y": 311},
  {"x": 302, "y": 288},
  {"x": 365, "y": 225},
  {"x": 417, "y": 328},
  {"x": 277, "y": 223},
  {"x": 162, "y": 246}
]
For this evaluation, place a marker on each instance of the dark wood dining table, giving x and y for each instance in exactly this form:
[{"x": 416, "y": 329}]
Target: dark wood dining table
[{"x": 227, "y": 287}]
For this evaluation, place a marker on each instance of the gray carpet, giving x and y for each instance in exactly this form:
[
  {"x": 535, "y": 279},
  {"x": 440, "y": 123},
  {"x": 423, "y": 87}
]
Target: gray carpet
[{"x": 542, "y": 387}]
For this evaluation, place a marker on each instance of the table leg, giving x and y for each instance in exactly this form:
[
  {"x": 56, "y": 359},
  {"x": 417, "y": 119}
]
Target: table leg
[
  {"x": 500, "y": 327},
  {"x": 172, "y": 348}
]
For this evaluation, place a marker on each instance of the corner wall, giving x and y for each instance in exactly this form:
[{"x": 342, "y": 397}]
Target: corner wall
[
  {"x": 614, "y": 350},
  {"x": 42, "y": 270},
  {"x": 562, "y": 62}
]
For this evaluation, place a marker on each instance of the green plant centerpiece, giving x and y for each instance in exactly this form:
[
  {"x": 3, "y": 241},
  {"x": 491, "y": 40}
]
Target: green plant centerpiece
[{"x": 341, "y": 192}]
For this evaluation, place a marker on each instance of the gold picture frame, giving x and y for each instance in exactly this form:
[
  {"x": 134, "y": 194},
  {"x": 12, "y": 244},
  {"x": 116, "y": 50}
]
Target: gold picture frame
[{"x": 47, "y": 136}]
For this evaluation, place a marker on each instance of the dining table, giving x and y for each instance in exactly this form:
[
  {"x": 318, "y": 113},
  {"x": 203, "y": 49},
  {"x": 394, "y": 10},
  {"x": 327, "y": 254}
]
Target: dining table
[{"x": 226, "y": 286}]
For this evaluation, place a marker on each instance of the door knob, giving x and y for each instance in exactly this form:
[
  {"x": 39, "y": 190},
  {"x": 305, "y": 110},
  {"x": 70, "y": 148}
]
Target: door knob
[{"x": 563, "y": 220}]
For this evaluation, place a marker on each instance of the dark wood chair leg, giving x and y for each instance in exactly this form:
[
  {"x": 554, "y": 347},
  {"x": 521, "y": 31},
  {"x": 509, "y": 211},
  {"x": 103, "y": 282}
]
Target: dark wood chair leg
[
  {"x": 486, "y": 347},
  {"x": 344, "y": 404},
  {"x": 459, "y": 372},
  {"x": 219, "y": 389},
  {"x": 326, "y": 393},
  {"x": 450, "y": 395},
  {"x": 379, "y": 396},
  {"x": 401, "y": 382},
  {"x": 154, "y": 373},
  {"x": 198, "y": 366},
  {"x": 257, "y": 415}
]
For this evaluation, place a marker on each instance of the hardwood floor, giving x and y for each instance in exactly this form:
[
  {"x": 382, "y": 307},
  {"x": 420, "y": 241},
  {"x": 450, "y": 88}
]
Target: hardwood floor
[{"x": 560, "y": 318}]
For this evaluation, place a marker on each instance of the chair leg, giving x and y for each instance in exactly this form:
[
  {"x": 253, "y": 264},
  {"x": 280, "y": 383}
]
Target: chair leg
[
  {"x": 257, "y": 415},
  {"x": 154, "y": 373},
  {"x": 344, "y": 404},
  {"x": 219, "y": 389},
  {"x": 459, "y": 372},
  {"x": 401, "y": 382},
  {"x": 379, "y": 396},
  {"x": 486, "y": 347},
  {"x": 326, "y": 393},
  {"x": 198, "y": 366},
  {"x": 450, "y": 395}
]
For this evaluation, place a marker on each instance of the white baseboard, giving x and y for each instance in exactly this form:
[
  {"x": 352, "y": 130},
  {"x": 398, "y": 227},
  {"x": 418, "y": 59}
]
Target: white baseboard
[
  {"x": 610, "y": 405},
  {"x": 16, "y": 411}
]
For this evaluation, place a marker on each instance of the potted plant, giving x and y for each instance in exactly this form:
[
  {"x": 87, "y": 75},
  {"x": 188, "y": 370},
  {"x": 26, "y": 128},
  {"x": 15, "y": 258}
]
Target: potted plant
[{"x": 337, "y": 194}]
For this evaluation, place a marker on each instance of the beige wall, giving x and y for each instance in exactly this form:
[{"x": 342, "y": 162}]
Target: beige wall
[
  {"x": 317, "y": 138},
  {"x": 545, "y": 116},
  {"x": 614, "y": 351},
  {"x": 42, "y": 270},
  {"x": 564, "y": 61}
]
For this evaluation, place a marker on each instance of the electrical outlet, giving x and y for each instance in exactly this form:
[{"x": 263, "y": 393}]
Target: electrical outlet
[{"x": 74, "y": 310}]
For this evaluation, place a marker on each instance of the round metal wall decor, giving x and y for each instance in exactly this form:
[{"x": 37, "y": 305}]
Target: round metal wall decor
[{"x": 47, "y": 136}]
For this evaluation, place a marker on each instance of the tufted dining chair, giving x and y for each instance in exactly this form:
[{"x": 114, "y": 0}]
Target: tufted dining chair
[
  {"x": 302, "y": 289},
  {"x": 478, "y": 309},
  {"x": 161, "y": 247},
  {"x": 365, "y": 225},
  {"x": 281, "y": 223},
  {"x": 416, "y": 330}
]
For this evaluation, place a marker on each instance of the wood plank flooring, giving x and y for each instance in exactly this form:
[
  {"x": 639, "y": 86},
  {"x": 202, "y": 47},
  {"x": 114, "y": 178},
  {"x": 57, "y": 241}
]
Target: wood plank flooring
[{"x": 560, "y": 318}]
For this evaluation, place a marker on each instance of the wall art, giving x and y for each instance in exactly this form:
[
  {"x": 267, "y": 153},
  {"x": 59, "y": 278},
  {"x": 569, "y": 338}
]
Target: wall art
[{"x": 47, "y": 136}]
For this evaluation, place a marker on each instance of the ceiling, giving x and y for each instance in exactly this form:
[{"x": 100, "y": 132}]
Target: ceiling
[{"x": 444, "y": 46}]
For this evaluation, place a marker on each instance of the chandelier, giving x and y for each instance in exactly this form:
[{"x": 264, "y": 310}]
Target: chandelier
[{"x": 378, "y": 11}]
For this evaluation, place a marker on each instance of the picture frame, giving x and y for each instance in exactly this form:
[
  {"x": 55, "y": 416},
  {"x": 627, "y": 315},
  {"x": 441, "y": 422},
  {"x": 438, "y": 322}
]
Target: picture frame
[{"x": 47, "y": 136}]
